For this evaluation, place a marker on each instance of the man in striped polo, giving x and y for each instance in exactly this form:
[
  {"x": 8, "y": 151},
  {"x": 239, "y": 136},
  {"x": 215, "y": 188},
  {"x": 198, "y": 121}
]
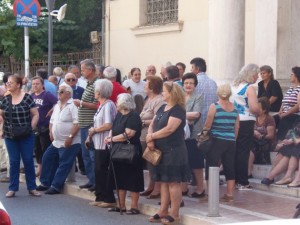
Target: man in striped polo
[{"x": 87, "y": 109}]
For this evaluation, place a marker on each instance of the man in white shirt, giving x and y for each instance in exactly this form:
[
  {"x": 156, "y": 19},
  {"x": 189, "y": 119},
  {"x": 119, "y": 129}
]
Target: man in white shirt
[{"x": 60, "y": 155}]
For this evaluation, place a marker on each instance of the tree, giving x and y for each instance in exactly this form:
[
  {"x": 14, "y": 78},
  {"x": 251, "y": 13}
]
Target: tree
[{"x": 71, "y": 34}]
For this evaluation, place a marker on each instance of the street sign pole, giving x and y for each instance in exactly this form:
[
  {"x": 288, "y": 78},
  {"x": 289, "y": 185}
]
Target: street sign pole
[
  {"x": 50, "y": 7},
  {"x": 26, "y": 51}
]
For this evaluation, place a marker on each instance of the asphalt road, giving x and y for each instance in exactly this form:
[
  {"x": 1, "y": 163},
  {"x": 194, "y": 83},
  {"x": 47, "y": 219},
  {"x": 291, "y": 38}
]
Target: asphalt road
[{"x": 60, "y": 210}]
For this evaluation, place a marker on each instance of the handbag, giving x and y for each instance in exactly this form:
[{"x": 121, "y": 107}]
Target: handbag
[
  {"x": 153, "y": 156},
  {"x": 17, "y": 132},
  {"x": 124, "y": 152},
  {"x": 204, "y": 141}
]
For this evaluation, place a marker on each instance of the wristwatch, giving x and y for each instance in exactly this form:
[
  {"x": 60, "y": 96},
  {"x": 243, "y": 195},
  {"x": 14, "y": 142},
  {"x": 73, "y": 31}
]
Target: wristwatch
[{"x": 70, "y": 136}]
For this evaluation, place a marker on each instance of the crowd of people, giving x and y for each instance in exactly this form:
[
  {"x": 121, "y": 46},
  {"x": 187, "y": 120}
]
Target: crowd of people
[{"x": 77, "y": 116}]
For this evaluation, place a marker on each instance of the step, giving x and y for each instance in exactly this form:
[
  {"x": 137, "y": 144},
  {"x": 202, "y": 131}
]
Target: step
[{"x": 273, "y": 188}]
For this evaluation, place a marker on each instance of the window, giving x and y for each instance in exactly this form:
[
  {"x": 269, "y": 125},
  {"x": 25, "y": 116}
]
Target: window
[{"x": 162, "y": 12}]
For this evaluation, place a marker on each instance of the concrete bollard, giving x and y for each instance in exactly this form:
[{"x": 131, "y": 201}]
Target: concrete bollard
[{"x": 213, "y": 192}]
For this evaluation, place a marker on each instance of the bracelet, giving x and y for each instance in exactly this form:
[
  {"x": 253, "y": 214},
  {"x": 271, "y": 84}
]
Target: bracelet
[{"x": 80, "y": 105}]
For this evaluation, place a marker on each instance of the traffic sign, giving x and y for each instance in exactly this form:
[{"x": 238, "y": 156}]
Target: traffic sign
[{"x": 27, "y": 12}]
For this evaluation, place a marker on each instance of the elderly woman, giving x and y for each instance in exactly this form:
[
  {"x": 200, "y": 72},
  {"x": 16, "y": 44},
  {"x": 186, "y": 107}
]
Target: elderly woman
[
  {"x": 19, "y": 110},
  {"x": 45, "y": 101},
  {"x": 135, "y": 85},
  {"x": 270, "y": 88},
  {"x": 223, "y": 122},
  {"x": 129, "y": 177},
  {"x": 194, "y": 103},
  {"x": 154, "y": 101},
  {"x": 245, "y": 101},
  {"x": 103, "y": 121},
  {"x": 166, "y": 132},
  {"x": 289, "y": 111}
]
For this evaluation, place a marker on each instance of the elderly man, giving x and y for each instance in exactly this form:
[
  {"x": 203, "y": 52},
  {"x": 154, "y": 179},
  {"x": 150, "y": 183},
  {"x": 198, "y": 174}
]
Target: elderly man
[
  {"x": 60, "y": 155},
  {"x": 71, "y": 80},
  {"x": 87, "y": 109},
  {"x": 81, "y": 81},
  {"x": 110, "y": 73},
  {"x": 151, "y": 70},
  {"x": 206, "y": 86},
  {"x": 163, "y": 70}
]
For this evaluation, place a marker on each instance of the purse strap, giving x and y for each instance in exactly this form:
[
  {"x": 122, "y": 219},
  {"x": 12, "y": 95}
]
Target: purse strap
[
  {"x": 10, "y": 109},
  {"x": 125, "y": 135}
]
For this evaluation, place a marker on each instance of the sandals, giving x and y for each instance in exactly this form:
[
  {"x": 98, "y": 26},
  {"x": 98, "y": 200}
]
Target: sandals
[
  {"x": 116, "y": 209},
  {"x": 133, "y": 211},
  {"x": 10, "y": 194},
  {"x": 169, "y": 220},
  {"x": 155, "y": 219}
]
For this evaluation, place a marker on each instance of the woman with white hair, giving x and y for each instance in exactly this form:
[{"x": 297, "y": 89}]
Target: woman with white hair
[
  {"x": 129, "y": 177},
  {"x": 245, "y": 101},
  {"x": 59, "y": 73},
  {"x": 103, "y": 120},
  {"x": 223, "y": 122}
]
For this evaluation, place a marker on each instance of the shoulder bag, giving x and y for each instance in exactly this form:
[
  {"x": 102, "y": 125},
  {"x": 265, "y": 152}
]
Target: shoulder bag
[{"x": 124, "y": 152}]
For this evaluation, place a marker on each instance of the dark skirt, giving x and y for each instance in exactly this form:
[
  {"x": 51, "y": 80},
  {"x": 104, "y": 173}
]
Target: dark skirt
[
  {"x": 195, "y": 156},
  {"x": 290, "y": 150}
]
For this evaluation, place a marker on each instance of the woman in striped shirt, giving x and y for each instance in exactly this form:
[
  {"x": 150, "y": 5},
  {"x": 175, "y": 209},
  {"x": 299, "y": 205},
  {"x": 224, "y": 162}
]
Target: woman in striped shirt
[
  {"x": 289, "y": 111},
  {"x": 223, "y": 121}
]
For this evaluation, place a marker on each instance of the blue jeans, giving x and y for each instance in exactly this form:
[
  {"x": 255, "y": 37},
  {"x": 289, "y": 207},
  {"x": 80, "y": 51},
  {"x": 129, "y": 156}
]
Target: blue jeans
[
  {"x": 56, "y": 165},
  {"x": 88, "y": 156},
  {"x": 17, "y": 149}
]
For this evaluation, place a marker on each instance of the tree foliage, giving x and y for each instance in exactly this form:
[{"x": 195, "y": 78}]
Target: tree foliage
[{"x": 71, "y": 34}]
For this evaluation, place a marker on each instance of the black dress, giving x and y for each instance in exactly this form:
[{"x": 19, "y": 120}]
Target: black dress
[
  {"x": 173, "y": 166},
  {"x": 129, "y": 177}
]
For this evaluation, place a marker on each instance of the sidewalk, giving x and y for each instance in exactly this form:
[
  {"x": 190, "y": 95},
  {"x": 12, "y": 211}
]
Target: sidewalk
[{"x": 251, "y": 205}]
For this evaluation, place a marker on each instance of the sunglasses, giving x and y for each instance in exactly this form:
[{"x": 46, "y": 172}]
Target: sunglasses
[
  {"x": 71, "y": 79},
  {"x": 61, "y": 92}
]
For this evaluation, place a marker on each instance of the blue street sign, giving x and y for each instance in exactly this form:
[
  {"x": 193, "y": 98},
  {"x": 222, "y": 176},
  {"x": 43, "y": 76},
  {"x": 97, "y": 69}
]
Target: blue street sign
[{"x": 27, "y": 12}]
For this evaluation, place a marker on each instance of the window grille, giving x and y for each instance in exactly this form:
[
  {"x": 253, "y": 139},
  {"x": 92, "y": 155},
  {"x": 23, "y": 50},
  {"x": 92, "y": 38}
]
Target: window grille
[{"x": 162, "y": 11}]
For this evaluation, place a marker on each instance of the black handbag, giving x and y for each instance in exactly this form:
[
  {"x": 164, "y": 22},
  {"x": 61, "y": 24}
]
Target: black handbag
[
  {"x": 124, "y": 152},
  {"x": 17, "y": 132},
  {"x": 204, "y": 141}
]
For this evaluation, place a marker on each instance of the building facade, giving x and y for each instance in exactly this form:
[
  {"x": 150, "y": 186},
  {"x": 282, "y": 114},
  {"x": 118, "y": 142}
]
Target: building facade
[{"x": 227, "y": 33}]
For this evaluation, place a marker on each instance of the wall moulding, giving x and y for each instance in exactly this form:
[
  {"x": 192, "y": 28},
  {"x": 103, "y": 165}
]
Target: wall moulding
[{"x": 155, "y": 29}]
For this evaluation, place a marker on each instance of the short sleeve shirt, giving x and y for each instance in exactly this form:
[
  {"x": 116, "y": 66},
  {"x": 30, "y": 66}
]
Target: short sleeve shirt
[
  {"x": 262, "y": 128},
  {"x": 136, "y": 88},
  {"x": 20, "y": 113},
  {"x": 273, "y": 89}
]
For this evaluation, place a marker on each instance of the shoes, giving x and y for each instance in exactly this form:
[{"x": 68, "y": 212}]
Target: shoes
[
  {"x": 4, "y": 180},
  {"x": 51, "y": 191},
  {"x": 116, "y": 209},
  {"x": 10, "y": 194},
  {"x": 267, "y": 181},
  {"x": 133, "y": 211},
  {"x": 107, "y": 205},
  {"x": 294, "y": 185},
  {"x": 153, "y": 196},
  {"x": 42, "y": 188},
  {"x": 34, "y": 193},
  {"x": 226, "y": 198},
  {"x": 82, "y": 172},
  {"x": 196, "y": 195},
  {"x": 92, "y": 189},
  {"x": 184, "y": 193},
  {"x": 85, "y": 186},
  {"x": 155, "y": 219},
  {"x": 146, "y": 193},
  {"x": 284, "y": 181},
  {"x": 245, "y": 188},
  {"x": 169, "y": 220}
]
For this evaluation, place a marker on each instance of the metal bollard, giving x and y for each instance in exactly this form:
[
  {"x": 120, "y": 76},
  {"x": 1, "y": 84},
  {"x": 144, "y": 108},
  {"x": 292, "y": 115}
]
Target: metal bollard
[{"x": 213, "y": 192}]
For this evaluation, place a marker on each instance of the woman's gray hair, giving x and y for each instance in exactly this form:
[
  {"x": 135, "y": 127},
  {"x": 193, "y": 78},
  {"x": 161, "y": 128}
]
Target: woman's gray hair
[
  {"x": 126, "y": 101},
  {"x": 58, "y": 71},
  {"x": 104, "y": 87},
  {"x": 224, "y": 91},
  {"x": 68, "y": 88},
  {"x": 110, "y": 72},
  {"x": 247, "y": 74}
]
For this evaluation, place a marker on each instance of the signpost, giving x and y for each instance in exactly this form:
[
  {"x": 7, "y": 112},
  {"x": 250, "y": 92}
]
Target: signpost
[{"x": 27, "y": 13}]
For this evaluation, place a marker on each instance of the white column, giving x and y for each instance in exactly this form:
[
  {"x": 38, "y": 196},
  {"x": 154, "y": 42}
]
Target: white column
[{"x": 226, "y": 39}]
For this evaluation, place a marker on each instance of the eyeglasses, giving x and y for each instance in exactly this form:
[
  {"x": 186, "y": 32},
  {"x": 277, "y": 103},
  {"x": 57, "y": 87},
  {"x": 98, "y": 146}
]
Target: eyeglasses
[
  {"x": 61, "y": 92},
  {"x": 9, "y": 83},
  {"x": 71, "y": 79}
]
